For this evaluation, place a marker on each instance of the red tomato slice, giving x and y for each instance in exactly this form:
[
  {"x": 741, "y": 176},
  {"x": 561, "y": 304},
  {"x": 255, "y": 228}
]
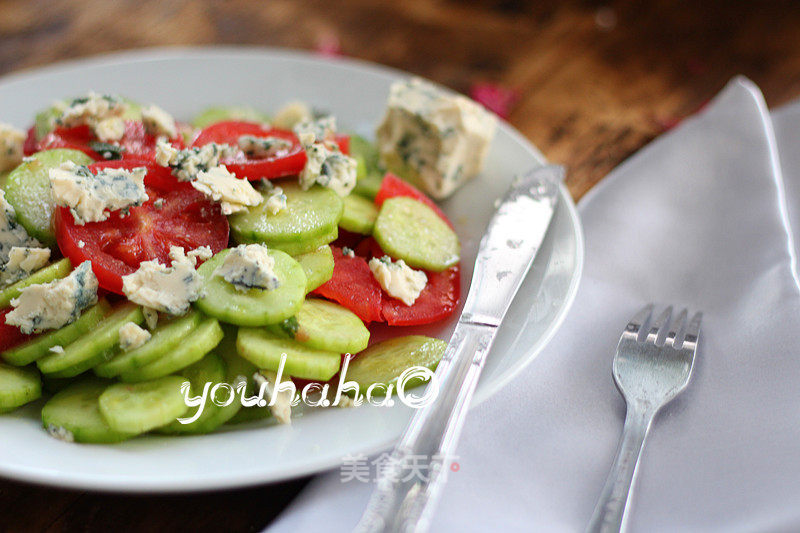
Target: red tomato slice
[
  {"x": 392, "y": 186},
  {"x": 29, "y": 147},
  {"x": 118, "y": 245},
  {"x": 437, "y": 301},
  {"x": 228, "y": 132},
  {"x": 137, "y": 144},
  {"x": 10, "y": 336},
  {"x": 344, "y": 142},
  {"x": 353, "y": 286}
]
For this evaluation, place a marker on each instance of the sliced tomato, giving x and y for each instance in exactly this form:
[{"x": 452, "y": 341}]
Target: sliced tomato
[
  {"x": 368, "y": 248},
  {"x": 437, "y": 301},
  {"x": 135, "y": 142},
  {"x": 353, "y": 286},
  {"x": 285, "y": 163},
  {"x": 118, "y": 245},
  {"x": 392, "y": 186},
  {"x": 344, "y": 142},
  {"x": 10, "y": 336},
  {"x": 29, "y": 146}
]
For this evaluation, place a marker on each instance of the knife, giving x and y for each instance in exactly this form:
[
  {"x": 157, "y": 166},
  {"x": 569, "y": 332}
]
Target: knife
[{"x": 402, "y": 502}]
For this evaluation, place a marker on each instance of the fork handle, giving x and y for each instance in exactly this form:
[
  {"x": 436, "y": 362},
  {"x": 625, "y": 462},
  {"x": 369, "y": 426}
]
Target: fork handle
[{"x": 611, "y": 511}]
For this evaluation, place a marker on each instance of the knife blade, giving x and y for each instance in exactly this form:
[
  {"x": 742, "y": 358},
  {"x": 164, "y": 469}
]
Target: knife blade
[{"x": 505, "y": 255}]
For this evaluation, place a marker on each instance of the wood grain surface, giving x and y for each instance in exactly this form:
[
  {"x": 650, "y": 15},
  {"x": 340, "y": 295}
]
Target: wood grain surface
[{"x": 596, "y": 81}]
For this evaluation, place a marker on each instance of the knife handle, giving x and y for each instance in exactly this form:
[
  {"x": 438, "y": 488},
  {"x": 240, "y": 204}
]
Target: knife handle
[{"x": 409, "y": 486}]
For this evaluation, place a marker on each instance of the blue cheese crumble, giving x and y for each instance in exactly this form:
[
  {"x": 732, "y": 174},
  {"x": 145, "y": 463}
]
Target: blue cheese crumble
[
  {"x": 292, "y": 114},
  {"x": 186, "y": 164},
  {"x": 327, "y": 166},
  {"x": 101, "y": 112},
  {"x": 398, "y": 279},
  {"x": 249, "y": 266},
  {"x": 92, "y": 197},
  {"x": 323, "y": 128},
  {"x": 131, "y": 336},
  {"x": 438, "y": 139},
  {"x": 54, "y": 305},
  {"x": 263, "y": 147},
  {"x": 12, "y": 234},
  {"x": 232, "y": 193},
  {"x": 22, "y": 262},
  {"x": 168, "y": 289},
  {"x": 11, "y": 143},
  {"x": 158, "y": 122},
  {"x": 274, "y": 197}
]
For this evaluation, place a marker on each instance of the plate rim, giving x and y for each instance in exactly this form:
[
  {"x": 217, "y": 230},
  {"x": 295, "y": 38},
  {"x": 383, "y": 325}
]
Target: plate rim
[{"x": 51, "y": 478}]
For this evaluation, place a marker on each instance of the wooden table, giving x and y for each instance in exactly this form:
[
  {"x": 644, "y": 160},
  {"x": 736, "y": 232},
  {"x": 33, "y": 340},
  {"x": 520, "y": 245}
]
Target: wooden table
[{"x": 595, "y": 81}]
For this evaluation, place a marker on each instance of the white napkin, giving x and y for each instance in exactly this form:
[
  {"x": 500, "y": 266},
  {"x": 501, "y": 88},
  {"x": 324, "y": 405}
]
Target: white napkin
[{"x": 698, "y": 218}]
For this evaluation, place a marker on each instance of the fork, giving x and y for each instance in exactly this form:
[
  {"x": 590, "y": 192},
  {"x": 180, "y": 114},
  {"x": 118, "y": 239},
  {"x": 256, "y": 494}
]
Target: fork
[{"x": 652, "y": 365}]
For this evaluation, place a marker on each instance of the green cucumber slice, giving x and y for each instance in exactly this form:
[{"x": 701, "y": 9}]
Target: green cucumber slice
[
  {"x": 39, "y": 346},
  {"x": 309, "y": 245},
  {"x": 166, "y": 338},
  {"x": 250, "y": 414},
  {"x": 384, "y": 362},
  {"x": 264, "y": 349},
  {"x": 254, "y": 307},
  {"x": 191, "y": 349},
  {"x": 211, "y": 369},
  {"x": 308, "y": 215},
  {"x": 18, "y": 386},
  {"x": 326, "y": 326},
  {"x": 49, "y": 273},
  {"x": 28, "y": 191},
  {"x": 139, "y": 407},
  {"x": 214, "y": 114},
  {"x": 359, "y": 215},
  {"x": 76, "y": 410},
  {"x": 369, "y": 185},
  {"x": 317, "y": 266},
  {"x": 361, "y": 147},
  {"x": 410, "y": 230},
  {"x": 91, "y": 350}
]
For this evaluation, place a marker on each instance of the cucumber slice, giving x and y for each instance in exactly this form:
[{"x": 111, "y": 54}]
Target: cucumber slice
[
  {"x": 211, "y": 369},
  {"x": 39, "y": 346},
  {"x": 215, "y": 114},
  {"x": 91, "y": 350},
  {"x": 317, "y": 266},
  {"x": 18, "y": 386},
  {"x": 190, "y": 350},
  {"x": 326, "y": 326},
  {"x": 250, "y": 414},
  {"x": 255, "y": 307},
  {"x": 76, "y": 410},
  {"x": 28, "y": 191},
  {"x": 384, "y": 362},
  {"x": 309, "y": 245},
  {"x": 359, "y": 215},
  {"x": 308, "y": 215},
  {"x": 140, "y": 407},
  {"x": 410, "y": 230},
  {"x": 264, "y": 349},
  {"x": 369, "y": 185},
  {"x": 366, "y": 150},
  {"x": 165, "y": 339},
  {"x": 49, "y": 273}
]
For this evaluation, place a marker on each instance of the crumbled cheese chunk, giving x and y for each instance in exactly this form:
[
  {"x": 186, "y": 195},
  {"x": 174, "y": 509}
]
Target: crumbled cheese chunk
[
  {"x": 91, "y": 197},
  {"x": 202, "y": 253},
  {"x": 327, "y": 166},
  {"x": 131, "y": 336},
  {"x": 169, "y": 289},
  {"x": 158, "y": 122},
  {"x": 11, "y": 142},
  {"x": 275, "y": 199},
  {"x": 348, "y": 252},
  {"x": 56, "y": 349},
  {"x": 60, "y": 433},
  {"x": 249, "y": 266},
  {"x": 12, "y": 234},
  {"x": 323, "y": 128},
  {"x": 188, "y": 163},
  {"x": 440, "y": 139},
  {"x": 291, "y": 115},
  {"x": 102, "y": 112},
  {"x": 282, "y": 409},
  {"x": 22, "y": 261},
  {"x": 398, "y": 279},
  {"x": 55, "y": 304},
  {"x": 150, "y": 317},
  {"x": 232, "y": 193},
  {"x": 262, "y": 147}
]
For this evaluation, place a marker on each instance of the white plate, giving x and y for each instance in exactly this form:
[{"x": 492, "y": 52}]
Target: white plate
[{"x": 184, "y": 81}]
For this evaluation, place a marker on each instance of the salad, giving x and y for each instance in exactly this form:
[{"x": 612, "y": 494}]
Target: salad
[{"x": 141, "y": 256}]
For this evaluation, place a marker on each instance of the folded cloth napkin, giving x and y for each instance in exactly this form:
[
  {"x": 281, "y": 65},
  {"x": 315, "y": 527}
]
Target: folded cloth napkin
[{"x": 698, "y": 218}]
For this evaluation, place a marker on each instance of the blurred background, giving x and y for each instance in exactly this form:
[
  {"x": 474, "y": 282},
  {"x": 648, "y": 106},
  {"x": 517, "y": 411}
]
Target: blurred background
[{"x": 588, "y": 82}]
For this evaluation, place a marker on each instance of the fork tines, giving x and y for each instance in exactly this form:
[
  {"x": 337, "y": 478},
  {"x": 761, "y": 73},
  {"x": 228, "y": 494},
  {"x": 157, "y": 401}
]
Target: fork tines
[{"x": 677, "y": 335}]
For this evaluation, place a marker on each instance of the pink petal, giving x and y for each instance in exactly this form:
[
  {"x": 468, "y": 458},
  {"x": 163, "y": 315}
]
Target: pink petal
[{"x": 495, "y": 97}]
